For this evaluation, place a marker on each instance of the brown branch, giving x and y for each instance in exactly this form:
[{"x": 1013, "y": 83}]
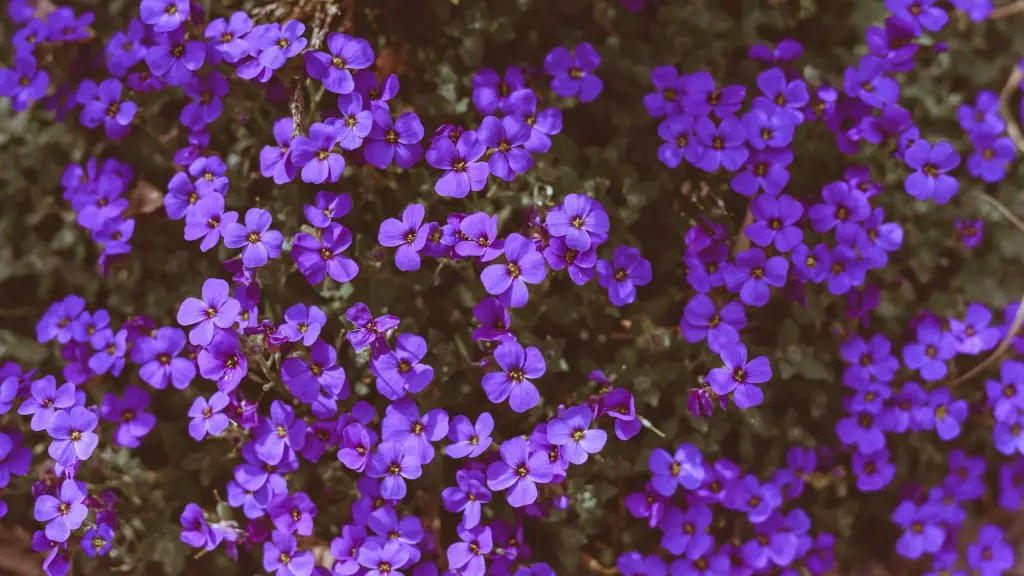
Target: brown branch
[
  {"x": 1007, "y": 10},
  {"x": 1002, "y": 210},
  {"x": 742, "y": 242},
  {"x": 1012, "y": 82}
]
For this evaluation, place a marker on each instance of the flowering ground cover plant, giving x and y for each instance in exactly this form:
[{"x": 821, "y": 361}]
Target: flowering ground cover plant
[{"x": 315, "y": 288}]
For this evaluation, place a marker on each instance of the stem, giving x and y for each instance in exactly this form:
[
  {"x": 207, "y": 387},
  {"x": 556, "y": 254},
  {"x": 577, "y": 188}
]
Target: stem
[
  {"x": 1007, "y": 10},
  {"x": 647, "y": 424},
  {"x": 1012, "y": 82},
  {"x": 1002, "y": 210}
]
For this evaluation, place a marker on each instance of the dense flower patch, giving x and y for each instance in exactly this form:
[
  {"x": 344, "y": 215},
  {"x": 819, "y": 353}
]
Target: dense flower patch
[{"x": 342, "y": 437}]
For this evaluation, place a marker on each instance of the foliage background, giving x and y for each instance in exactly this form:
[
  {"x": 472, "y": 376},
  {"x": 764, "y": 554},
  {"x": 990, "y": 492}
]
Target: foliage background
[{"x": 608, "y": 149}]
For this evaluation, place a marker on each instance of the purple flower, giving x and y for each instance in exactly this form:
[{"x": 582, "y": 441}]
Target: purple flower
[
  {"x": 752, "y": 275},
  {"x": 108, "y": 109},
  {"x": 158, "y": 360},
  {"x": 226, "y": 36},
  {"x": 895, "y": 43},
  {"x": 58, "y": 321},
  {"x": 929, "y": 354},
  {"x": 512, "y": 383},
  {"x": 222, "y": 362},
  {"x": 278, "y": 43},
  {"x": 491, "y": 92},
  {"x": 869, "y": 83},
  {"x": 543, "y": 124},
  {"x": 319, "y": 257},
  {"x": 175, "y": 58},
  {"x": 409, "y": 234},
  {"x": 863, "y": 430},
  {"x": 383, "y": 559},
  {"x": 723, "y": 145},
  {"x": 775, "y": 222},
  {"x": 320, "y": 377},
  {"x": 44, "y": 400},
  {"x": 469, "y": 440},
  {"x": 369, "y": 331},
  {"x": 280, "y": 431},
  {"x": 208, "y": 220},
  {"x": 683, "y": 468},
  {"x": 689, "y": 533},
  {"x": 402, "y": 424},
  {"x": 207, "y": 416},
  {"x": 216, "y": 310},
  {"x": 635, "y": 564},
  {"x": 666, "y": 100},
  {"x": 921, "y": 13},
  {"x": 740, "y": 377},
  {"x": 164, "y": 15},
  {"x": 63, "y": 513},
  {"x": 627, "y": 270},
  {"x": 983, "y": 117},
  {"x": 315, "y": 154},
  {"x": 206, "y": 105},
  {"x": 768, "y": 128},
  {"x": 921, "y": 532},
  {"x": 356, "y": 447},
  {"x": 702, "y": 96},
  {"x": 942, "y": 412},
  {"x": 680, "y": 141},
  {"x": 468, "y": 556},
  {"x": 258, "y": 243},
  {"x": 572, "y": 72},
  {"x": 506, "y": 136},
  {"x": 326, "y": 207},
  {"x": 843, "y": 209},
  {"x": 990, "y": 555},
  {"x": 282, "y": 556},
  {"x": 524, "y": 265},
  {"x": 518, "y": 472},
  {"x": 494, "y": 321},
  {"x": 702, "y": 319},
  {"x": 468, "y": 497},
  {"x": 87, "y": 326},
  {"x": 874, "y": 471},
  {"x": 24, "y": 84},
  {"x": 128, "y": 412},
  {"x": 394, "y": 462},
  {"x": 581, "y": 265},
  {"x": 868, "y": 361},
  {"x": 786, "y": 97},
  {"x": 195, "y": 531},
  {"x": 572, "y": 432},
  {"x": 991, "y": 157},
  {"x": 73, "y": 436},
  {"x": 479, "y": 237},
  {"x": 464, "y": 172},
  {"x": 354, "y": 124},
  {"x": 929, "y": 180},
  {"x": 376, "y": 94},
  {"x": 303, "y": 323},
  {"x": 109, "y": 356},
  {"x": 335, "y": 69},
  {"x": 401, "y": 371},
  {"x": 293, "y": 514},
  {"x": 974, "y": 333},
  {"x": 398, "y": 141},
  {"x": 581, "y": 221},
  {"x": 276, "y": 161},
  {"x": 97, "y": 540}
]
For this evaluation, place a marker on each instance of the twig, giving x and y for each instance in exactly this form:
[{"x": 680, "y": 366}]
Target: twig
[
  {"x": 1002, "y": 210},
  {"x": 742, "y": 242},
  {"x": 1004, "y": 108},
  {"x": 647, "y": 424},
  {"x": 1018, "y": 321},
  {"x": 1007, "y": 10},
  {"x": 588, "y": 562}
]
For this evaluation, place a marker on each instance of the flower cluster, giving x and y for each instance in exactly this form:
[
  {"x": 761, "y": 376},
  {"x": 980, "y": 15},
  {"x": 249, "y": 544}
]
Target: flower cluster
[{"x": 281, "y": 389}]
